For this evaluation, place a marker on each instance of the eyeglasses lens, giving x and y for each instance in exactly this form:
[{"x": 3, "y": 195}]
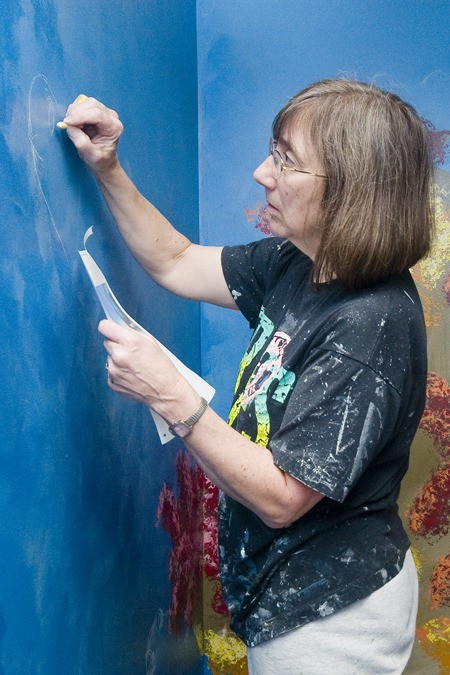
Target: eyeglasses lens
[{"x": 277, "y": 165}]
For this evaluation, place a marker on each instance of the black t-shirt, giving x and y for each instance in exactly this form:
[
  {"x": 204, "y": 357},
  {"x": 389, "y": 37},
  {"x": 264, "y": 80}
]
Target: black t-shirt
[{"x": 333, "y": 383}]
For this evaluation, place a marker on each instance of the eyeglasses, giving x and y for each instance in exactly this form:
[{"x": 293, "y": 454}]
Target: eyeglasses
[{"x": 280, "y": 165}]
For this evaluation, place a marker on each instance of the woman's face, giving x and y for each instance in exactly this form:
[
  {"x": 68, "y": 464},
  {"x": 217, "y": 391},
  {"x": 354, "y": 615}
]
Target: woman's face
[{"x": 294, "y": 199}]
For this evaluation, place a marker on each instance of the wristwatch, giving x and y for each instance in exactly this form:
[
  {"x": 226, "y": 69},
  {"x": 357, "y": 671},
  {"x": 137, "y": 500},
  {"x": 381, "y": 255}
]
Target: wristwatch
[{"x": 184, "y": 427}]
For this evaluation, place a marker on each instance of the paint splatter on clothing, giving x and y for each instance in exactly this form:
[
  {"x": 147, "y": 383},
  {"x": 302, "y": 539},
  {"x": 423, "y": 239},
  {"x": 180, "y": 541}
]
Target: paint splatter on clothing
[{"x": 333, "y": 383}]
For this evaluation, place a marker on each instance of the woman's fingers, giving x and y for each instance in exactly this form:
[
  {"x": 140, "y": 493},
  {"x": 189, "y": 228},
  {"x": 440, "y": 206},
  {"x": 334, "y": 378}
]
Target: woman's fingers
[
  {"x": 94, "y": 129},
  {"x": 137, "y": 366}
]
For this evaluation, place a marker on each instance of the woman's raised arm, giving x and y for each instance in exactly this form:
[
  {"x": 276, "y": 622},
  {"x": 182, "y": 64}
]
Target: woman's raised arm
[{"x": 170, "y": 258}]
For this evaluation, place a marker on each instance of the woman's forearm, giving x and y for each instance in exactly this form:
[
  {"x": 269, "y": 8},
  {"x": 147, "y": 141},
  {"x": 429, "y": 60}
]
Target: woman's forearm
[
  {"x": 169, "y": 257},
  {"x": 152, "y": 240},
  {"x": 247, "y": 473}
]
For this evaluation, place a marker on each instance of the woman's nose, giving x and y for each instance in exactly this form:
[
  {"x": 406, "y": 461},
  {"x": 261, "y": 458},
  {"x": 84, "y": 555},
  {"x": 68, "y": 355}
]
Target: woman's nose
[{"x": 263, "y": 174}]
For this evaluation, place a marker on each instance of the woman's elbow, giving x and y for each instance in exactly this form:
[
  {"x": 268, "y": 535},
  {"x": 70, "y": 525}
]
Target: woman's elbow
[
  {"x": 281, "y": 516},
  {"x": 297, "y": 500}
]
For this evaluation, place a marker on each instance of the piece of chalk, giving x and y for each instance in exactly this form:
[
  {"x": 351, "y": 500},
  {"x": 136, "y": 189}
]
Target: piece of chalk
[{"x": 63, "y": 125}]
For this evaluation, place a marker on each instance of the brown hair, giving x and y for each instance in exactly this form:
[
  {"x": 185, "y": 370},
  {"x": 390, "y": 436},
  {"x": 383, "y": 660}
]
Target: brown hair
[{"x": 378, "y": 214}]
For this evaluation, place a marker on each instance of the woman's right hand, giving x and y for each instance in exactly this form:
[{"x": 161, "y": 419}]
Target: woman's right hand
[{"x": 95, "y": 130}]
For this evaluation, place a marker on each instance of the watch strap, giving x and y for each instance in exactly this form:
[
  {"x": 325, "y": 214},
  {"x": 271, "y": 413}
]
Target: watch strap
[{"x": 188, "y": 424}]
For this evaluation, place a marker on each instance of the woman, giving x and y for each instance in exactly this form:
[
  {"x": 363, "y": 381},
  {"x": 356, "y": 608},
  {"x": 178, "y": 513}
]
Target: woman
[{"x": 315, "y": 564}]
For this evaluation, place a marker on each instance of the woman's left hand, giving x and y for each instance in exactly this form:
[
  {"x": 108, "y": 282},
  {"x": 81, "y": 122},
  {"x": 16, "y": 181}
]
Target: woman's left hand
[{"x": 139, "y": 369}]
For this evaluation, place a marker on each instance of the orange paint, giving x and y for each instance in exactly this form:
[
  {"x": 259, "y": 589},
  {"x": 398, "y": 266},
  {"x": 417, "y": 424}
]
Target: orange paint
[
  {"x": 440, "y": 583},
  {"x": 429, "y": 515}
]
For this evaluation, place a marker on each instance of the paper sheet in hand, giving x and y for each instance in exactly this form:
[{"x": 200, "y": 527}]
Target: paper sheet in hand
[{"x": 115, "y": 311}]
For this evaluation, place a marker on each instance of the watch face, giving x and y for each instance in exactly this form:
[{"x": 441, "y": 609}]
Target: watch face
[{"x": 180, "y": 429}]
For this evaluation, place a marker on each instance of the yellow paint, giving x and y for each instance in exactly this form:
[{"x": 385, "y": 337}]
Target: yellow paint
[
  {"x": 417, "y": 561},
  {"x": 428, "y": 272},
  {"x": 226, "y": 653},
  {"x": 434, "y": 637},
  {"x": 431, "y": 309},
  {"x": 432, "y": 268}
]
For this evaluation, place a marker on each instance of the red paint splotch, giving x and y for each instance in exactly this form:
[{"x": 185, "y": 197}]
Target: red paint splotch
[
  {"x": 447, "y": 288},
  {"x": 429, "y": 514},
  {"x": 181, "y": 518},
  {"x": 210, "y": 538},
  {"x": 191, "y": 522},
  {"x": 211, "y": 544},
  {"x": 439, "y": 141},
  {"x": 261, "y": 218}
]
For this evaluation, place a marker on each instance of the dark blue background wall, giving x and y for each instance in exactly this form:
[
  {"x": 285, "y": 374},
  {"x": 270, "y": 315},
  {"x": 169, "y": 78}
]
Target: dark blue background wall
[{"x": 83, "y": 567}]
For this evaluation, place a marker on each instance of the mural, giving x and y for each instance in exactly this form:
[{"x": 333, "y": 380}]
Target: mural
[
  {"x": 426, "y": 491},
  {"x": 99, "y": 535},
  {"x": 190, "y": 519}
]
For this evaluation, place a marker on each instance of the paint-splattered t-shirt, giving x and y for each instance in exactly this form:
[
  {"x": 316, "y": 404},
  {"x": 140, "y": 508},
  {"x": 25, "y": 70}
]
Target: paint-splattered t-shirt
[{"x": 333, "y": 383}]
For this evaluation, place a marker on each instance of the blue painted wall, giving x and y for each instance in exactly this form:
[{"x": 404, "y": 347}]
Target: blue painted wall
[{"x": 83, "y": 567}]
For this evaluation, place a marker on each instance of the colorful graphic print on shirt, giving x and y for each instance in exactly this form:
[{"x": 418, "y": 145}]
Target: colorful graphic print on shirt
[{"x": 271, "y": 346}]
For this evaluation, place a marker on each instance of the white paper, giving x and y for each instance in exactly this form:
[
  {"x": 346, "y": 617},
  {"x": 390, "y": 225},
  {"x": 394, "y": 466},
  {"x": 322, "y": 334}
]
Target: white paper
[{"x": 113, "y": 310}]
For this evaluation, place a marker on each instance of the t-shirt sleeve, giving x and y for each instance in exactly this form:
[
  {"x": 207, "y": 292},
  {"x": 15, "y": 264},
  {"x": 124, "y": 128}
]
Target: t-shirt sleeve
[
  {"x": 253, "y": 268},
  {"x": 339, "y": 417}
]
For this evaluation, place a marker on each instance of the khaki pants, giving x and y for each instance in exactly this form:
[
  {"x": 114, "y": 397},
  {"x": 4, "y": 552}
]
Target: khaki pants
[{"x": 374, "y": 636}]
